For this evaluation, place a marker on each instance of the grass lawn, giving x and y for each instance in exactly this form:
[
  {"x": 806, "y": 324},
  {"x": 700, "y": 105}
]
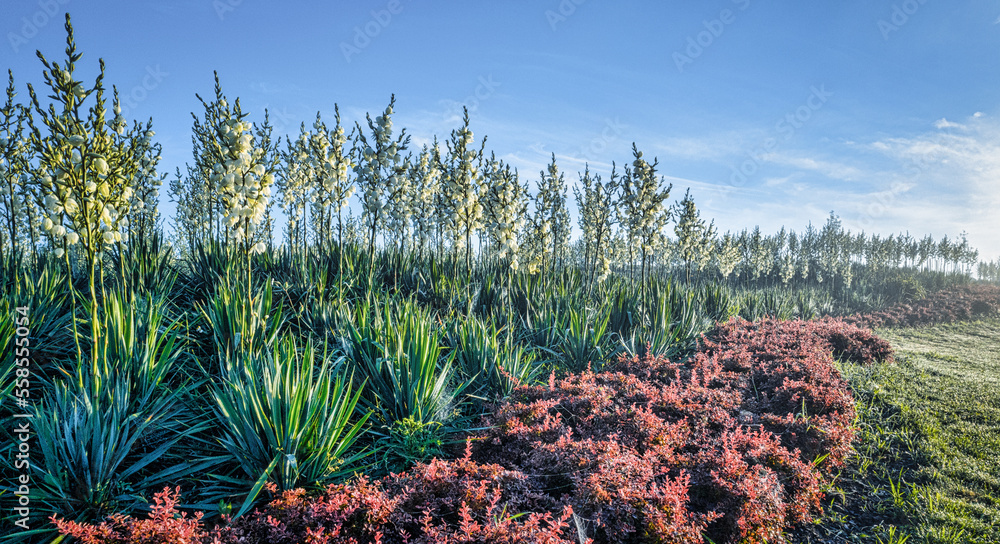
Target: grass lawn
[{"x": 927, "y": 467}]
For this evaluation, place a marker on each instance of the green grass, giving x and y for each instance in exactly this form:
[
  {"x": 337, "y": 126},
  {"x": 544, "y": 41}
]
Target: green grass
[{"x": 928, "y": 447}]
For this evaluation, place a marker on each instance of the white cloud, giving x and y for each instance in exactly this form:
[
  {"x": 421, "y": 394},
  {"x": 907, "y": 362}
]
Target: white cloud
[
  {"x": 952, "y": 182},
  {"x": 943, "y": 123},
  {"x": 830, "y": 169}
]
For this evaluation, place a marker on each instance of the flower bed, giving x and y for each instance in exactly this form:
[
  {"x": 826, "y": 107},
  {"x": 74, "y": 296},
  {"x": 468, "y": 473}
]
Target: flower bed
[
  {"x": 728, "y": 444},
  {"x": 734, "y": 444}
]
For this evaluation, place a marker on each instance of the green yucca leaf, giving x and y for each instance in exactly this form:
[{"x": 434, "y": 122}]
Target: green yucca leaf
[
  {"x": 241, "y": 322},
  {"x": 584, "y": 341},
  {"x": 490, "y": 359},
  {"x": 91, "y": 460},
  {"x": 287, "y": 419},
  {"x": 399, "y": 353}
]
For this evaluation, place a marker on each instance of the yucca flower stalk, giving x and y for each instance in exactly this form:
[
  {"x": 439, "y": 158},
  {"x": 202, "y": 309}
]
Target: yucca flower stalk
[
  {"x": 695, "y": 239},
  {"x": 399, "y": 208},
  {"x": 645, "y": 214},
  {"x": 548, "y": 229},
  {"x": 726, "y": 256},
  {"x": 426, "y": 178},
  {"x": 378, "y": 167},
  {"x": 597, "y": 220},
  {"x": 506, "y": 207},
  {"x": 144, "y": 212},
  {"x": 239, "y": 160},
  {"x": 294, "y": 186},
  {"x": 462, "y": 187},
  {"x": 17, "y": 207},
  {"x": 331, "y": 164},
  {"x": 87, "y": 166}
]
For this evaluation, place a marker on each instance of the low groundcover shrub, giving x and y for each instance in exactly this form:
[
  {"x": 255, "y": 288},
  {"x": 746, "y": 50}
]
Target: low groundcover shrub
[
  {"x": 734, "y": 444},
  {"x": 946, "y": 306}
]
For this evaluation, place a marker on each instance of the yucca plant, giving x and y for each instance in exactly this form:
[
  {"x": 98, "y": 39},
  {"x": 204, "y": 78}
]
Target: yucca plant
[
  {"x": 752, "y": 306},
  {"x": 289, "y": 419},
  {"x": 493, "y": 295},
  {"x": 138, "y": 342},
  {"x": 778, "y": 304},
  {"x": 718, "y": 302},
  {"x": 399, "y": 353},
  {"x": 241, "y": 323},
  {"x": 93, "y": 455},
  {"x": 544, "y": 324},
  {"x": 584, "y": 342},
  {"x": 145, "y": 265},
  {"x": 490, "y": 359},
  {"x": 42, "y": 288},
  {"x": 209, "y": 264},
  {"x": 670, "y": 323},
  {"x": 805, "y": 307},
  {"x": 624, "y": 303}
]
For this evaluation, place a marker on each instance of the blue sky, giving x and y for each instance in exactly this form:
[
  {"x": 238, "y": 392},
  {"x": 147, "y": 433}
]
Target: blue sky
[{"x": 884, "y": 111}]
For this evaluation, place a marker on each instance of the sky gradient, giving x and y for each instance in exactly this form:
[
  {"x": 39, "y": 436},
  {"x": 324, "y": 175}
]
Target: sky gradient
[{"x": 777, "y": 113}]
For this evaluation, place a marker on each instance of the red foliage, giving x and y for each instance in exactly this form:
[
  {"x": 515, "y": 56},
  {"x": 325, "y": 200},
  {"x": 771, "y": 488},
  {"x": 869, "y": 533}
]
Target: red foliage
[
  {"x": 947, "y": 306},
  {"x": 659, "y": 451},
  {"x": 443, "y": 502},
  {"x": 651, "y": 451},
  {"x": 163, "y": 526}
]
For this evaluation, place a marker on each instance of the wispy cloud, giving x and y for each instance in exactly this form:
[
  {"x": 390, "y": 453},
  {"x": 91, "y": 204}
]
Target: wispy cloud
[
  {"x": 830, "y": 169},
  {"x": 953, "y": 173}
]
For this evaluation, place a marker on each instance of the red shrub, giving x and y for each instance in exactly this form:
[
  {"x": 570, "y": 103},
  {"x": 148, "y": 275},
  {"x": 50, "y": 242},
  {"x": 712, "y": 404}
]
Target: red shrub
[
  {"x": 163, "y": 526},
  {"x": 651, "y": 451},
  {"x": 659, "y": 451},
  {"x": 947, "y": 306},
  {"x": 443, "y": 502}
]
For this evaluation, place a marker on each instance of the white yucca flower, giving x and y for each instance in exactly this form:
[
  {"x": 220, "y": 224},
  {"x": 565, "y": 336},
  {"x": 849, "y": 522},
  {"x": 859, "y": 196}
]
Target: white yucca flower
[
  {"x": 377, "y": 170},
  {"x": 644, "y": 213},
  {"x": 506, "y": 206},
  {"x": 463, "y": 188}
]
